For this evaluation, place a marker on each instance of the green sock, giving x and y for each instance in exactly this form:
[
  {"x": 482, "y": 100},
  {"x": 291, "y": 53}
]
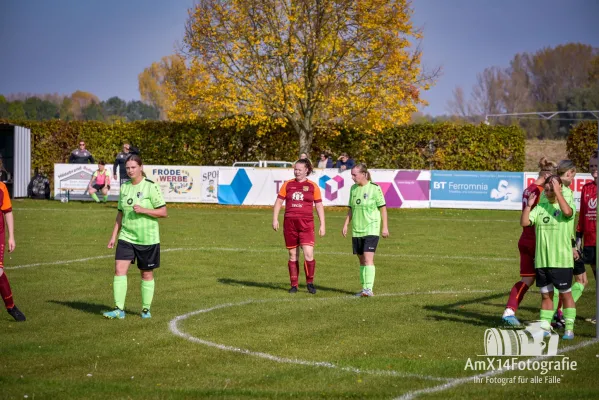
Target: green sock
[
  {"x": 147, "y": 293},
  {"x": 362, "y": 275},
  {"x": 569, "y": 316},
  {"x": 105, "y": 198},
  {"x": 119, "y": 287},
  {"x": 577, "y": 289},
  {"x": 369, "y": 272},
  {"x": 546, "y": 318},
  {"x": 95, "y": 197},
  {"x": 555, "y": 300}
]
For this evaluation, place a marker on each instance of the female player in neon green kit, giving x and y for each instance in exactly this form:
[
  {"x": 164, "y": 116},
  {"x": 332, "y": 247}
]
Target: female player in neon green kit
[
  {"x": 140, "y": 205},
  {"x": 367, "y": 209}
]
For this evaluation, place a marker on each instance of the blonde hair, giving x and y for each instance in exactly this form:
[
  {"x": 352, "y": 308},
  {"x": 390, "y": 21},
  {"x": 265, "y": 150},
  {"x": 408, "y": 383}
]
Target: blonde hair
[
  {"x": 564, "y": 166},
  {"x": 361, "y": 167},
  {"x": 547, "y": 167}
]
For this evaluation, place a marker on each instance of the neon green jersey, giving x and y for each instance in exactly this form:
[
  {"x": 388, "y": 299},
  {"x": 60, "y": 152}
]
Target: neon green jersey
[
  {"x": 140, "y": 228},
  {"x": 365, "y": 202},
  {"x": 553, "y": 236}
]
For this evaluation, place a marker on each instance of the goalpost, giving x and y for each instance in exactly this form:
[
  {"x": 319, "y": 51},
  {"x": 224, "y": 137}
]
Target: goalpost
[{"x": 548, "y": 115}]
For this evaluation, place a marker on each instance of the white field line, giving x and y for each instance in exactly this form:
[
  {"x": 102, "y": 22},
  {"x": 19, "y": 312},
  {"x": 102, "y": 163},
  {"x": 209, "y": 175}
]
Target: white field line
[
  {"x": 250, "y": 250},
  {"x": 452, "y": 219},
  {"x": 460, "y": 381},
  {"x": 324, "y": 364}
]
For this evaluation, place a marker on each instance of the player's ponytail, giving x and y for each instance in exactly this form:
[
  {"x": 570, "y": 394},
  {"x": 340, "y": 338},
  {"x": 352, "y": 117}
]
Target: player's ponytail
[
  {"x": 546, "y": 167},
  {"x": 363, "y": 169}
]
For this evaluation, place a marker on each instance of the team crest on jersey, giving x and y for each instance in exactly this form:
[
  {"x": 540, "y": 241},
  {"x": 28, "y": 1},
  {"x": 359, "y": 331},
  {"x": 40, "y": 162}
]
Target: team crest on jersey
[
  {"x": 306, "y": 188},
  {"x": 299, "y": 196},
  {"x": 365, "y": 196},
  {"x": 140, "y": 195},
  {"x": 592, "y": 204}
]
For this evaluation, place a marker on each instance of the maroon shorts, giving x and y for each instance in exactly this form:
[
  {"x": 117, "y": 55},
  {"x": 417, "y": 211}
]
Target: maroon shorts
[
  {"x": 527, "y": 257},
  {"x": 298, "y": 232}
]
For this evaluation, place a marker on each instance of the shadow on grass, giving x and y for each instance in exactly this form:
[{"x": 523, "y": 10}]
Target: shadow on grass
[
  {"x": 275, "y": 286},
  {"x": 90, "y": 308},
  {"x": 456, "y": 312}
]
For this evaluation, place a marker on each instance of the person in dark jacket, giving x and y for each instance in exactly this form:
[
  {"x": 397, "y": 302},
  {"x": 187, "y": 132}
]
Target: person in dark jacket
[
  {"x": 120, "y": 161},
  {"x": 81, "y": 155},
  {"x": 344, "y": 162}
]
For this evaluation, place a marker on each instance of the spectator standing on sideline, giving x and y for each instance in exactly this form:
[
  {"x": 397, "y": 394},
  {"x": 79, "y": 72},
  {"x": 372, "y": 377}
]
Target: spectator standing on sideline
[
  {"x": 120, "y": 161},
  {"x": 344, "y": 162},
  {"x": 81, "y": 155},
  {"x": 325, "y": 161}
]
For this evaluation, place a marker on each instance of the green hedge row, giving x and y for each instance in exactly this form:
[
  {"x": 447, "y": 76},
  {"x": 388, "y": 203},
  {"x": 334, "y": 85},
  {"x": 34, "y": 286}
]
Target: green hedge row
[
  {"x": 581, "y": 144},
  {"x": 457, "y": 147}
]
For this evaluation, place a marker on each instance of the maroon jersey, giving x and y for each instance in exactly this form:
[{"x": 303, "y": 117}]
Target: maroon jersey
[
  {"x": 299, "y": 198},
  {"x": 587, "y": 218},
  {"x": 528, "y": 232}
]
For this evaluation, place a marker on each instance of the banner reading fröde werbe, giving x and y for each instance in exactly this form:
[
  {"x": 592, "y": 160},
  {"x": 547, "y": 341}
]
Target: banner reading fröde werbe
[{"x": 472, "y": 189}]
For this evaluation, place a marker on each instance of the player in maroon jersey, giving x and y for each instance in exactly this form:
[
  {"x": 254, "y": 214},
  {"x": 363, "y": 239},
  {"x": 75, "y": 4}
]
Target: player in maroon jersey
[
  {"x": 526, "y": 245},
  {"x": 586, "y": 230},
  {"x": 299, "y": 195},
  {"x": 6, "y": 215}
]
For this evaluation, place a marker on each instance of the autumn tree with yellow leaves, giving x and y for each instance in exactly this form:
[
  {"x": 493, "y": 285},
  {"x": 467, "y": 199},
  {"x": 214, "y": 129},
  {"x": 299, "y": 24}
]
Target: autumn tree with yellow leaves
[{"x": 306, "y": 63}]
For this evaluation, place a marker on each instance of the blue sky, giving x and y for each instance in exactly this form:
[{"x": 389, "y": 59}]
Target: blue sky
[{"x": 100, "y": 46}]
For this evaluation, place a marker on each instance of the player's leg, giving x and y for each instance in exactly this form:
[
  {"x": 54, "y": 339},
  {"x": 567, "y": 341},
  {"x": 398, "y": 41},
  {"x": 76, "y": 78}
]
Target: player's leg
[
  {"x": 105, "y": 194},
  {"x": 148, "y": 259},
  {"x": 123, "y": 258},
  {"x": 546, "y": 288},
  {"x": 92, "y": 193},
  {"x": 358, "y": 250},
  {"x": 370, "y": 245},
  {"x": 6, "y": 293},
  {"x": 306, "y": 240},
  {"x": 527, "y": 274},
  {"x": 291, "y": 235}
]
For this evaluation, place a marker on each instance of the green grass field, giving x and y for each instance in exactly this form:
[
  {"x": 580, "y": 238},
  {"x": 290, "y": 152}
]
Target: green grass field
[{"x": 224, "y": 325}]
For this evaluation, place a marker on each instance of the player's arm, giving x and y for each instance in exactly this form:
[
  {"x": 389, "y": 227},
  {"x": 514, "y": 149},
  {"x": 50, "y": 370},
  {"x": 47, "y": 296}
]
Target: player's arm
[
  {"x": 525, "y": 216},
  {"x": 385, "y": 232},
  {"x": 320, "y": 212},
  {"x": 117, "y": 227},
  {"x": 10, "y": 224},
  {"x": 159, "y": 212},
  {"x": 114, "y": 167},
  {"x": 563, "y": 204},
  {"x": 346, "y": 223},
  {"x": 275, "y": 213}
]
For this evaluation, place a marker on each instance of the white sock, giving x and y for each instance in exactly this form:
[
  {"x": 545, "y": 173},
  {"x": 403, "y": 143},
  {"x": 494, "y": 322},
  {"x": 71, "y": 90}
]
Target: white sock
[{"x": 508, "y": 313}]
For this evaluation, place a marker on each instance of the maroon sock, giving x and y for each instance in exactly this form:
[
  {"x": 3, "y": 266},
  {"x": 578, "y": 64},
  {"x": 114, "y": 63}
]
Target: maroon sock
[
  {"x": 5, "y": 291},
  {"x": 309, "y": 267},
  {"x": 516, "y": 295},
  {"x": 293, "y": 271}
]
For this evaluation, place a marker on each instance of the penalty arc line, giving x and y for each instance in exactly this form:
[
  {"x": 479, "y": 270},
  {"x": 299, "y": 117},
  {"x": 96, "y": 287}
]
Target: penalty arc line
[
  {"x": 173, "y": 327},
  {"x": 250, "y": 250}
]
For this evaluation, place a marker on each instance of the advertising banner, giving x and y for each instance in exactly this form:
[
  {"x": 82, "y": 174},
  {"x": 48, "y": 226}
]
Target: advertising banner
[
  {"x": 260, "y": 186},
  {"x": 209, "y": 184},
  {"x": 579, "y": 181},
  {"x": 179, "y": 184},
  {"x": 74, "y": 179},
  {"x": 473, "y": 189}
]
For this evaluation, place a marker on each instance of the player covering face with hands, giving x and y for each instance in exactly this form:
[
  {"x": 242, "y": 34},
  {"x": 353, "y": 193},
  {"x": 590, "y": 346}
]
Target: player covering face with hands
[{"x": 553, "y": 260}]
